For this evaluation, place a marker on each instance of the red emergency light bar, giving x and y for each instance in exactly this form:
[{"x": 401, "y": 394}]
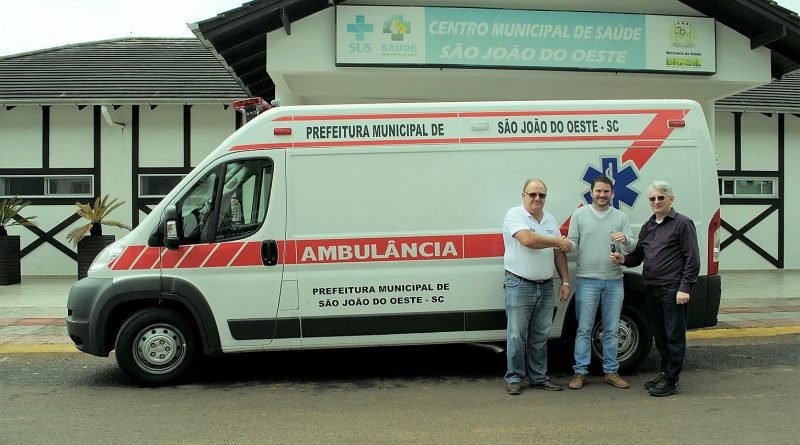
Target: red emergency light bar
[
  {"x": 251, "y": 107},
  {"x": 251, "y": 102}
]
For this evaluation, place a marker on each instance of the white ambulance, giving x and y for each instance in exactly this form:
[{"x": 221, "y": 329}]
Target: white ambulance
[{"x": 376, "y": 225}]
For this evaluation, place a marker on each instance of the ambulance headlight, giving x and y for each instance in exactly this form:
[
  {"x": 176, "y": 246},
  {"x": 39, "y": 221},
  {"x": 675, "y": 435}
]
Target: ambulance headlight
[{"x": 107, "y": 255}]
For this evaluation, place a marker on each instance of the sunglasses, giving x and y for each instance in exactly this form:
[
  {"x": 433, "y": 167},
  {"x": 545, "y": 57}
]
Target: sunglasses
[
  {"x": 533, "y": 195},
  {"x": 660, "y": 198}
]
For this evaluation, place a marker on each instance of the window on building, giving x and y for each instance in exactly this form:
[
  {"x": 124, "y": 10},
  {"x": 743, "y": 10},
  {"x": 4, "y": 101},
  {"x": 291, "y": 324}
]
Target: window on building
[
  {"x": 157, "y": 186},
  {"x": 748, "y": 187},
  {"x": 47, "y": 186}
]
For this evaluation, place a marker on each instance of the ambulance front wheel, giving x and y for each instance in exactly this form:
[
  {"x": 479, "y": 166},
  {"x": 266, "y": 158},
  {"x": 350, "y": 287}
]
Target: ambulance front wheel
[{"x": 155, "y": 346}]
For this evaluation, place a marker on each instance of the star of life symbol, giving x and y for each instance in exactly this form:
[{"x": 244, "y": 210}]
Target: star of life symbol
[
  {"x": 359, "y": 28},
  {"x": 622, "y": 179},
  {"x": 396, "y": 27}
]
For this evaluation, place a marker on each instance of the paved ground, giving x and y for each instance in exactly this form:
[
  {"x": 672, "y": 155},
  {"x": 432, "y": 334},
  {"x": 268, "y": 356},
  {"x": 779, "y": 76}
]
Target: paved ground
[{"x": 754, "y": 303}]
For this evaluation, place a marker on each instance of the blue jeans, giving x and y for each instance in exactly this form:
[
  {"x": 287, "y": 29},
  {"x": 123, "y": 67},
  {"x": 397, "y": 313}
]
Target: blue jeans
[
  {"x": 529, "y": 309},
  {"x": 668, "y": 321},
  {"x": 589, "y": 294}
]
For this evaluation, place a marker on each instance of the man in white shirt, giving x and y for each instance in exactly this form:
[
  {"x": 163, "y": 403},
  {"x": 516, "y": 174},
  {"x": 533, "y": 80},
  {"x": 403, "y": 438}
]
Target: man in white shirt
[{"x": 533, "y": 245}]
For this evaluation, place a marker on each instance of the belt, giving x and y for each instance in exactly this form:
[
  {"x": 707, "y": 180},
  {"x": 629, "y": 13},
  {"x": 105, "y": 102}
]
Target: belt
[{"x": 549, "y": 280}]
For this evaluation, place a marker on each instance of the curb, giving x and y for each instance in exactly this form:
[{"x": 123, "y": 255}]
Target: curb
[
  {"x": 743, "y": 332},
  {"x": 41, "y": 348}
]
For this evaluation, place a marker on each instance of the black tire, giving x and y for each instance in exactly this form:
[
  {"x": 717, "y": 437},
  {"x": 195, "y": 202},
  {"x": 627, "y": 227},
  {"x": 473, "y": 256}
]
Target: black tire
[
  {"x": 635, "y": 341},
  {"x": 156, "y": 346}
]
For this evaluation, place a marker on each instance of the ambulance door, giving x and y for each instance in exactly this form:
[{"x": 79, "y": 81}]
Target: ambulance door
[{"x": 231, "y": 224}]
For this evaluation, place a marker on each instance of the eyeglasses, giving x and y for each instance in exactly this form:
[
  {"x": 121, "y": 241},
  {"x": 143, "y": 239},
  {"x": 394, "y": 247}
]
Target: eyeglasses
[
  {"x": 533, "y": 195},
  {"x": 660, "y": 198}
]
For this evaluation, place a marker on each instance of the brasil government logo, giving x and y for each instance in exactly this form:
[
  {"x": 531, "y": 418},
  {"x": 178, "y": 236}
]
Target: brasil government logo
[
  {"x": 622, "y": 179},
  {"x": 683, "y": 34}
]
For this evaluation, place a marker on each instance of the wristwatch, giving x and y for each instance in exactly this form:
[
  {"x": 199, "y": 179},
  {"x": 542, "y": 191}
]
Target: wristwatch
[{"x": 565, "y": 283}]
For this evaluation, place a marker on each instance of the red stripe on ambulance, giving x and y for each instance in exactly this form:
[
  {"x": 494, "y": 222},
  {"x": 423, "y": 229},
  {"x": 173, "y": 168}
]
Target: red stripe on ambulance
[
  {"x": 483, "y": 246},
  {"x": 224, "y": 254},
  {"x": 128, "y": 257},
  {"x": 652, "y": 137},
  {"x": 289, "y": 252},
  {"x": 196, "y": 256},
  {"x": 170, "y": 258},
  {"x": 345, "y": 250},
  {"x": 260, "y": 146},
  {"x": 148, "y": 259},
  {"x": 552, "y": 113},
  {"x": 379, "y": 249},
  {"x": 345, "y": 117},
  {"x": 548, "y": 139},
  {"x": 414, "y": 248},
  {"x": 249, "y": 256}
]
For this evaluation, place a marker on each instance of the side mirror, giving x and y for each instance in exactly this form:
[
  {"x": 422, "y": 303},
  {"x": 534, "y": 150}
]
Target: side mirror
[{"x": 171, "y": 239}]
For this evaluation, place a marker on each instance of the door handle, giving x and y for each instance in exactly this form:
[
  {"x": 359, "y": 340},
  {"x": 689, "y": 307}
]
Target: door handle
[{"x": 269, "y": 252}]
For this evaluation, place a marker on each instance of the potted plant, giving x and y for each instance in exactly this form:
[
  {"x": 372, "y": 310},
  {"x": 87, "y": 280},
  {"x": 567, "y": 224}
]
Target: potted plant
[
  {"x": 90, "y": 246},
  {"x": 9, "y": 245}
]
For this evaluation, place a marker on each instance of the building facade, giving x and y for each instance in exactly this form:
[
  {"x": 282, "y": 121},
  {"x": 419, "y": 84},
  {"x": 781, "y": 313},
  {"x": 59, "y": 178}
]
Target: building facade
[{"x": 130, "y": 117}]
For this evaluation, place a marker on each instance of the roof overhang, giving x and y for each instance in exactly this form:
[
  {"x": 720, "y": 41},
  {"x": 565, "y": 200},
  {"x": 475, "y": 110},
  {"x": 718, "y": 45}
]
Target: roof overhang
[
  {"x": 238, "y": 37},
  {"x": 764, "y": 23}
]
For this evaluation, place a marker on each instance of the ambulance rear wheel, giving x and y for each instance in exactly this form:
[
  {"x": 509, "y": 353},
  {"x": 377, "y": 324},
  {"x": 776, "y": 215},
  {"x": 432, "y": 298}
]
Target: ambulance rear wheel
[
  {"x": 634, "y": 341},
  {"x": 155, "y": 346}
]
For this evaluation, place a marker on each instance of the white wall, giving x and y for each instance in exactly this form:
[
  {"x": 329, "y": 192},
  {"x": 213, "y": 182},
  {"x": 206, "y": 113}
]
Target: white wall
[
  {"x": 71, "y": 145},
  {"x": 115, "y": 162},
  {"x": 211, "y": 124},
  {"x": 161, "y": 136},
  {"x": 759, "y": 141},
  {"x": 724, "y": 140},
  {"x": 21, "y": 137}
]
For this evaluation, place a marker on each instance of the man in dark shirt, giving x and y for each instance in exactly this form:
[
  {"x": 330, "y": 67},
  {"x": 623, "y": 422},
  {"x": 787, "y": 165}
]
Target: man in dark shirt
[{"x": 668, "y": 247}]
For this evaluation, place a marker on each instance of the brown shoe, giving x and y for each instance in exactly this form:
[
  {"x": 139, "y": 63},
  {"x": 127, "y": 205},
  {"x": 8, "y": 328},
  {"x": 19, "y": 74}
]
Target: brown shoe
[
  {"x": 576, "y": 382},
  {"x": 615, "y": 379}
]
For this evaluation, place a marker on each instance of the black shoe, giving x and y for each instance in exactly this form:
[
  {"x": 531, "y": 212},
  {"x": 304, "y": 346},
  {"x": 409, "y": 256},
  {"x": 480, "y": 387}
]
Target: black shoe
[
  {"x": 514, "y": 388},
  {"x": 651, "y": 383},
  {"x": 548, "y": 385},
  {"x": 664, "y": 388}
]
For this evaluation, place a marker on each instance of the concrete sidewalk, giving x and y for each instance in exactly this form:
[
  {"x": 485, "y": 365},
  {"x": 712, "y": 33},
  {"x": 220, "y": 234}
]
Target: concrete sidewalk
[{"x": 754, "y": 303}]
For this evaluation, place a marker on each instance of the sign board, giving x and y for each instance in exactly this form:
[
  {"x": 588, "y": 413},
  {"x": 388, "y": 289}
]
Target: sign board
[{"x": 523, "y": 39}]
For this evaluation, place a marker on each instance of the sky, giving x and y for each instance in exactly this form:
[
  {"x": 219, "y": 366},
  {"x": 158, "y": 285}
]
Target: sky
[{"x": 29, "y": 25}]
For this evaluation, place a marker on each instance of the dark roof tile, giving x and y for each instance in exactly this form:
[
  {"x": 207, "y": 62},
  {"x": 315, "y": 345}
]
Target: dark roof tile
[
  {"x": 778, "y": 96},
  {"x": 180, "y": 70}
]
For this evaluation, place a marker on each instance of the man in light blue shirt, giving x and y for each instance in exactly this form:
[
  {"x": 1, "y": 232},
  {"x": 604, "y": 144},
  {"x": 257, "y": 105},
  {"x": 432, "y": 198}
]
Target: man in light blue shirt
[{"x": 595, "y": 231}]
